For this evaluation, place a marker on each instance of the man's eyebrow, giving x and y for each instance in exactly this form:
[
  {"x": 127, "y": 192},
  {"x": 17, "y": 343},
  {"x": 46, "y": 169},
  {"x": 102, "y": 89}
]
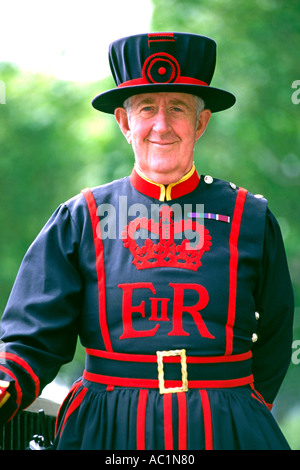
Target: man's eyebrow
[
  {"x": 174, "y": 102},
  {"x": 179, "y": 103},
  {"x": 145, "y": 101}
]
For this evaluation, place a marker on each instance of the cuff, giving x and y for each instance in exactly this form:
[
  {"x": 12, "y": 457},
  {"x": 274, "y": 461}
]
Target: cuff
[{"x": 8, "y": 406}]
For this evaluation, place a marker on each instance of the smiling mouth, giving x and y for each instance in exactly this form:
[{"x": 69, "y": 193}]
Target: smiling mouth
[{"x": 161, "y": 144}]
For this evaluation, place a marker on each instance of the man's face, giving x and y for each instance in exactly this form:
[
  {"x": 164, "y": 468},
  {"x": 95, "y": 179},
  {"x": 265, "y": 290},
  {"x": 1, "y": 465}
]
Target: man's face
[{"x": 163, "y": 129}]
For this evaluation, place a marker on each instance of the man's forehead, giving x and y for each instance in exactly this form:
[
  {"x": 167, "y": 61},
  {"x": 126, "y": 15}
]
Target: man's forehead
[{"x": 167, "y": 97}]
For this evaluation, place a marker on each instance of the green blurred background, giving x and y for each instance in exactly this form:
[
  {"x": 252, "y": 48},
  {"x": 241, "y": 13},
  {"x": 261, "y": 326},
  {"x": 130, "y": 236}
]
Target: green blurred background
[{"x": 53, "y": 144}]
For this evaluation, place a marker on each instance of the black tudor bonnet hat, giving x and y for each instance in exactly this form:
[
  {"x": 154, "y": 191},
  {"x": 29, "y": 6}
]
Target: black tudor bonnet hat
[{"x": 158, "y": 62}]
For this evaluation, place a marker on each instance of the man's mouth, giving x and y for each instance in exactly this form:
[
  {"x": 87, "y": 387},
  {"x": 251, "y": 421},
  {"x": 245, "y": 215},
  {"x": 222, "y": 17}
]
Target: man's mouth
[{"x": 161, "y": 144}]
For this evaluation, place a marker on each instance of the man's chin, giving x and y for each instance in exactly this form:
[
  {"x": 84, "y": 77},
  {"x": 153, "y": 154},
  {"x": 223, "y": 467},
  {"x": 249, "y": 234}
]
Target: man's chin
[{"x": 165, "y": 176}]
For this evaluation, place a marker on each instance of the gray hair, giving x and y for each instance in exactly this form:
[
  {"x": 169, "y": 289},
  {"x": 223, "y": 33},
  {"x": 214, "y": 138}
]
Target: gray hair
[{"x": 200, "y": 105}]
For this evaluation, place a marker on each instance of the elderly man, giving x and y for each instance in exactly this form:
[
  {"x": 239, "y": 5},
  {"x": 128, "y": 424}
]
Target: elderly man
[{"x": 177, "y": 284}]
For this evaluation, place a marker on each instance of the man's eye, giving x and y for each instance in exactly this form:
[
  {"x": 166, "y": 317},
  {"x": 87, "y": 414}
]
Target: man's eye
[{"x": 147, "y": 109}]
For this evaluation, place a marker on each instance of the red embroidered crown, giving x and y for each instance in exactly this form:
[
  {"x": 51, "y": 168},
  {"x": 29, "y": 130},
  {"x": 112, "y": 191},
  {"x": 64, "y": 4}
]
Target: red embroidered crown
[{"x": 166, "y": 252}]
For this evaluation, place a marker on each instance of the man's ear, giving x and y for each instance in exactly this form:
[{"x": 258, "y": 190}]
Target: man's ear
[
  {"x": 204, "y": 118},
  {"x": 122, "y": 119}
]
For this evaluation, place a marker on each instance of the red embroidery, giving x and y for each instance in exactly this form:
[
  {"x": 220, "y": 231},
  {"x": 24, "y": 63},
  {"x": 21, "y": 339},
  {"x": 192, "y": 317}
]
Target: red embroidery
[
  {"x": 178, "y": 310},
  {"x": 161, "y": 60},
  {"x": 193, "y": 310},
  {"x": 154, "y": 303},
  {"x": 129, "y": 309},
  {"x": 166, "y": 252}
]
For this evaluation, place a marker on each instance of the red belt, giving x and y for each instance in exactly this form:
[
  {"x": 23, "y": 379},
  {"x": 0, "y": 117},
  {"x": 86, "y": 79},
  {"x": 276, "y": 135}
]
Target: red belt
[{"x": 149, "y": 371}]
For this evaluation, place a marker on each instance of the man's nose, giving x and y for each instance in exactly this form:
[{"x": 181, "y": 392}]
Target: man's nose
[{"x": 161, "y": 122}]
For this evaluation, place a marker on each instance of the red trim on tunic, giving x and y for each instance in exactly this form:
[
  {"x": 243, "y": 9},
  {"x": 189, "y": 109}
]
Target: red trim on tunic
[
  {"x": 260, "y": 398},
  {"x": 168, "y": 421},
  {"x": 153, "y": 383},
  {"x": 91, "y": 203},
  {"x": 172, "y": 359},
  {"x": 233, "y": 265},
  {"x": 185, "y": 187},
  {"x": 73, "y": 406},
  {"x": 68, "y": 398},
  {"x": 208, "y": 431},
  {"x": 144, "y": 186},
  {"x": 172, "y": 191},
  {"x": 182, "y": 421},
  {"x": 141, "y": 420}
]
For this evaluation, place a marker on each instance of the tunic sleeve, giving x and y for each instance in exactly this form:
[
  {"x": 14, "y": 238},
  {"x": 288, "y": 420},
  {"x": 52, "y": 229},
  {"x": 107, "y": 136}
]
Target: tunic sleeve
[
  {"x": 39, "y": 325},
  {"x": 275, "y": 305}
]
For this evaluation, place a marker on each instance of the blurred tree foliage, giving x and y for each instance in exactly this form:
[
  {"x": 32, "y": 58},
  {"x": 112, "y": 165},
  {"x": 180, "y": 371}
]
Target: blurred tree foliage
[{"x": 52, "y": 142}]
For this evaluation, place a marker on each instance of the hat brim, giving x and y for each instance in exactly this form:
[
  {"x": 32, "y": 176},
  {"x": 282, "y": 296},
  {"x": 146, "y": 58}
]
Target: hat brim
[{"x": 215, "y": 99}]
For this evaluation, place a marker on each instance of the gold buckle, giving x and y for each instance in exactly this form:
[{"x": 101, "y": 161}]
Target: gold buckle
[{"x": 160, "y": 368}]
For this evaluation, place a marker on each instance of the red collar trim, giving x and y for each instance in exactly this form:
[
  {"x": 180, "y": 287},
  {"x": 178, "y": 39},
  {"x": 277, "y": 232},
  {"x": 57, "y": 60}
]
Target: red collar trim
[{"x": 144, "y": 185}]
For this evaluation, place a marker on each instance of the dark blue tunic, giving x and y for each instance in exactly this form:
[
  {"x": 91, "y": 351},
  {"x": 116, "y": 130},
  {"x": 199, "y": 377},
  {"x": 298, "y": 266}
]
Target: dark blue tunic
[{"x": 134, "y": 268}]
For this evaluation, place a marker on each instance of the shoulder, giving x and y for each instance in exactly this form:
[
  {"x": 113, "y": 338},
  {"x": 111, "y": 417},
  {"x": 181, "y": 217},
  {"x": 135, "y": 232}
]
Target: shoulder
[
  {"x": 78, "y": 201},
  {"x": 229, "y": 186},
  {"x": 78, "y": 208},
  {"x": 232, "y": 189},
  {"x": 109, "y": 188}
]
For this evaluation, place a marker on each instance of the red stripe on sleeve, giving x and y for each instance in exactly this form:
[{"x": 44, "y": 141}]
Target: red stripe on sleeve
[{"x": 22, "y": 363}]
